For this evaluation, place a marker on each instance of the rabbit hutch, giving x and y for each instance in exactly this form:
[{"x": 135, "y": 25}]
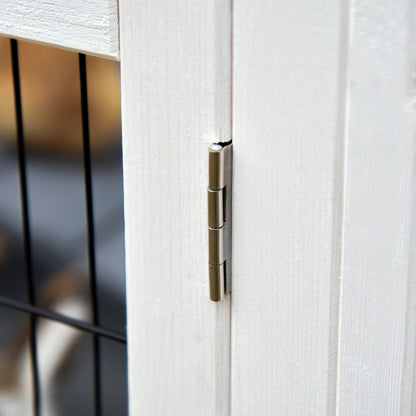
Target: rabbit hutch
[{"x": 306, "y": 303}]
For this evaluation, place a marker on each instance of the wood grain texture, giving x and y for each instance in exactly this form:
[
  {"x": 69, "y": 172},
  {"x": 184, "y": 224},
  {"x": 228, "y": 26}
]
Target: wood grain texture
[
  {"x": 89, "y": 26},
  {"x": 376, "y": 360},
  {"x": 176, "y": 99},
  {"x": 288, "y": 143}
]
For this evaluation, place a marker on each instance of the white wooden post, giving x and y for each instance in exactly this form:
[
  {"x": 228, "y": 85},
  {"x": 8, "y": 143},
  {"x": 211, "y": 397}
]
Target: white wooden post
[{"x": 176, "y": 89}]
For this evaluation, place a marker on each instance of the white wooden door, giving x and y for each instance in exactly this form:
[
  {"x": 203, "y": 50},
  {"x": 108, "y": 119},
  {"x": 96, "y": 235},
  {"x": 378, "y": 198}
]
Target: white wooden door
[
  {"x": 322, "y": 311},
  {"x": 323, "y": 316}
]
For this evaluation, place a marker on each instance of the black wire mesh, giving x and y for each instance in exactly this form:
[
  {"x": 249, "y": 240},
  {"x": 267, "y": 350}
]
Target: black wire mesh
[
  {"x": 30, "y": 307},
  {"x": 26, "y": 222},
  {"x": 90, "y": 226}
]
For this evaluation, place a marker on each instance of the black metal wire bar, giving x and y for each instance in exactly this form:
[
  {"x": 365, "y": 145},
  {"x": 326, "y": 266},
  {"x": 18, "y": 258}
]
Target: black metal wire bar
[
  {"x": 90, "y": 227},
  {"x": 63, "y": 319},
  {"x": 26, "y": 223}
]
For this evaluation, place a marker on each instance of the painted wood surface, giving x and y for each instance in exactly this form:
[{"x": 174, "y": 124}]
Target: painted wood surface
[
  {"x": 288, "y": 122},
  {"x": 377, "y": 334},
  {"x": 176, "y": 99},
  {"x": 324, "y": 244},
  {"x": 89, "y": 26}
]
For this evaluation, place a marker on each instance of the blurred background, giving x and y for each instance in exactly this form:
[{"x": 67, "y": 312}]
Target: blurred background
[{"x": 52, "y": 120}]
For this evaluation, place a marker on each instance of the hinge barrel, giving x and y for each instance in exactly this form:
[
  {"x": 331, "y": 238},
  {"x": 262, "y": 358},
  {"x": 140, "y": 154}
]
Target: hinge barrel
[
  {"x": 216, "y": 211},
  {"x": 219, "y": 219}
]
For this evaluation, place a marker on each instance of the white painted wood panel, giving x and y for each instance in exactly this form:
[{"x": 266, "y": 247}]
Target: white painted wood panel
[
  {"x": 89, "y": 26},
  {"x": 176, "y": 98},
  {"x": 288, "y": 143},
  {"x": 377, "y": 314}
]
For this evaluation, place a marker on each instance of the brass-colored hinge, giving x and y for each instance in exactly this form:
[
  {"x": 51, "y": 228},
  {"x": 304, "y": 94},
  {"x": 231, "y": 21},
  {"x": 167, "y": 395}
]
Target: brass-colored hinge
[{"x": 219, "y": 219}]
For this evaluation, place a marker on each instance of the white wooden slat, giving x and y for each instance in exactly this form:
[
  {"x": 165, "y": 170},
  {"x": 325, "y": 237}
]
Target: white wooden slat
[
  {"x": 288, "y": 105},
  {"x": 176, "y": 98},
  {"x": 89, "y": 26},
  {"x": 377, "y": 313}
]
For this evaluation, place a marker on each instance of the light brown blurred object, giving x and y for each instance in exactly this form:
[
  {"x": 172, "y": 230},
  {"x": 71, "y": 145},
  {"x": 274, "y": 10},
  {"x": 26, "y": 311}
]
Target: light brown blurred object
[
  {"x": 56, "y": 343},
  {"x": 51, "y": 99}
]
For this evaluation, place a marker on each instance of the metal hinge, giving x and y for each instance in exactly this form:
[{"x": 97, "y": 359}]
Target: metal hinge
[{"x": 219, "y": 219}]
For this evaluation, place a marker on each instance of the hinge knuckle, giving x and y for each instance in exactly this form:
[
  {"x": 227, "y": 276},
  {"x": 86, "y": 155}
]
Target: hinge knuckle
[
  {"x": 219, "y": 219},
  {"x": 216, "y": 203},
  {"x": 216, "y": 246},
  {"x": 216, "y": 178},
  {"x": 216, "y": 282}
]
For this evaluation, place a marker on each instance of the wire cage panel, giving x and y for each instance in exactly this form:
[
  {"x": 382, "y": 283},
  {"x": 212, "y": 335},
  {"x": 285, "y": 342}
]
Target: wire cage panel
[{"x": 55, "y": 255}]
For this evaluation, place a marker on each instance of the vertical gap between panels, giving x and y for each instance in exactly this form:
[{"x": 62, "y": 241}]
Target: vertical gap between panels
[
  {"x": 346, "y": 34},
  {"x": 26, "y": 224},
  {"x": 90, "y": 228}
]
